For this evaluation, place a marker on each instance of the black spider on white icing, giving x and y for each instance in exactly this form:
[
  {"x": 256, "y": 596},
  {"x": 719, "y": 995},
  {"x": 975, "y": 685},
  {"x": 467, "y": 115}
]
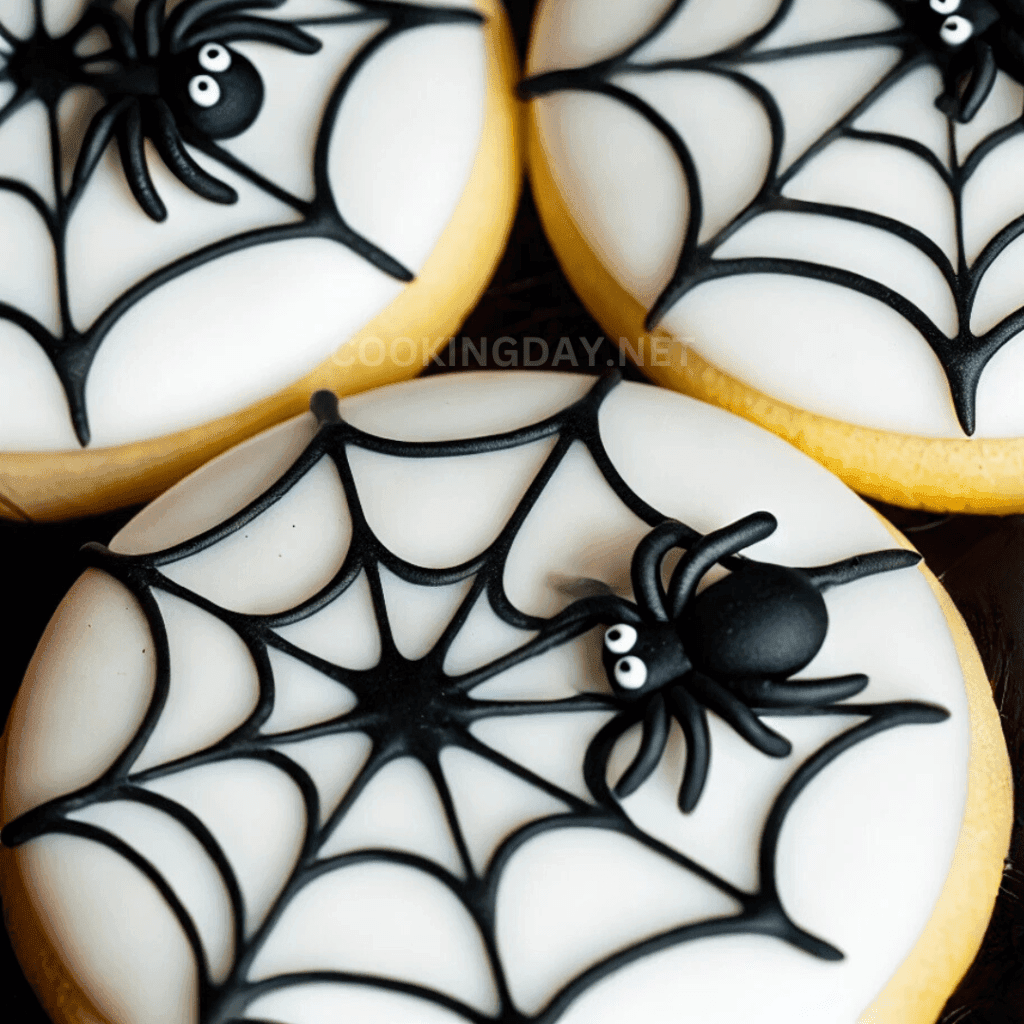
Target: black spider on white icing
[
  {"x": 730, "y": 649},
  {"x": 971, "y": 40},
  {"x": 172, "y": 79}
]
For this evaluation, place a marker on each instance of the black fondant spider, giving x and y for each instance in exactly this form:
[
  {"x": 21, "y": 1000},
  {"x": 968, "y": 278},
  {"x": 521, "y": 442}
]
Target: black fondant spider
[
  {"x": 730, "y": 649},
  {"x": 971, "y": 39},
  {"x": 175, "y": 80}
]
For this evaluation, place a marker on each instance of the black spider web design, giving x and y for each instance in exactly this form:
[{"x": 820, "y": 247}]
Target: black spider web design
[
  {"x": 964, "y": 356},
  {"x": 414, "y": 709},
  {"x": 72, "y": 351}
]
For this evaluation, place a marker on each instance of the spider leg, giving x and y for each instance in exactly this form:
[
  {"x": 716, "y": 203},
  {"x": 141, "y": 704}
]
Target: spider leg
[
  {"x": 850, "y": 569},
  {"x": 713, "y": 548},
  {"x": 149, "y": 21},
  {"x": 738, "y": 715},
  {"x": 804, "y": 693},
  {"x": 169, "y": 145},
  {"x": 100, "y": 131},
  {"x": 983, "y": 77},
  {"x": 121, "y": 36},
  {"x": 645, "y": 570},
  {"x": 694, "y": 722},
  {"x": 652, "y": 746},
  {"x": 131, "y": 144},
  {"x": 259, "y": 30},
  {"x": 187, "y": 15}
]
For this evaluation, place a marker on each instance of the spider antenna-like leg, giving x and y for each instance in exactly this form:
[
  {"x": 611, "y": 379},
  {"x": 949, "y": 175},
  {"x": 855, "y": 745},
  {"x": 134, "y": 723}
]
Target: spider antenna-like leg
[
  {"x": 850, "y": 569},
  {"x": 652, "y": 746},
  {"x": 693, "y": 719},
  {"x": 645, "y": 570},
  {"x": 983, "y": 77},
  {"x": 713, "y": 548},
  {"x": 738, "y": 715},
  {"x": 149, "y": 22}
]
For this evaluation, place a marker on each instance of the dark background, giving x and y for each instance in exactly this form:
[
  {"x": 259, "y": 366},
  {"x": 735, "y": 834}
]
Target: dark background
[{"x": 982, "y": 557}]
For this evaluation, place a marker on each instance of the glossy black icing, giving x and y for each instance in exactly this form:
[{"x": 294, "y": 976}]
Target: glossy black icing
[
  {"x": 730, "y": 648},
  {"x": 413, "y": 708},
  {"x": 968, "y": 73},
  {"x": 157, "y": 86}
]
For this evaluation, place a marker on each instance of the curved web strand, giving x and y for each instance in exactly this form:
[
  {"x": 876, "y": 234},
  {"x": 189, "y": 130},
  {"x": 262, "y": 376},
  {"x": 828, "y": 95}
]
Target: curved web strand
[
  {"x": 413, "y": 709},
  {"x": 964, "y": 356},
  {"x": 72, "y": 352}
]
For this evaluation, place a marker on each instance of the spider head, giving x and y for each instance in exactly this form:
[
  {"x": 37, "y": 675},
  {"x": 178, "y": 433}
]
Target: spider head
[
  {"x": 761, "y": 621},
  {"x": 640, "y": 659},
  {"x": 214, "y": 91},
  {"x": 950, "y": 24}
]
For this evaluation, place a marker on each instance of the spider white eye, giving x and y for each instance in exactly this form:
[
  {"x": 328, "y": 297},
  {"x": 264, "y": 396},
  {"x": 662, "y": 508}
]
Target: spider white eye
[
  {"x": 205, "y": 92},
  {"x": 944, "y": 6},
  {"x": 214, "y": 57},
  {"x": 956, "y": 30},
  {"x": 630, "y": 673},
  {"x": 619, "y": 639}
]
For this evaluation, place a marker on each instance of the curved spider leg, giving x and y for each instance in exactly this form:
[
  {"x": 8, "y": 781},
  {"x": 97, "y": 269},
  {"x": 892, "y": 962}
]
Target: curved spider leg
[
  {"x": 802, "y": 693},
  {"x": 694, "y": 722},
  {"x": 131, "y": 145},
  {"x": 983, "y": 77},
  {"x": 652, "y": 746},
  {"x": 713, "y": 548},
  {"x": 148, "y": 24},
  {"x": 171, "y": 148},
  {"x": 850, "y": 569},
  {"x": 599, "y": 753},
  {"x": 257, "y": 30},
  {"x": 645, "y": 570},
  {"x": 188, "y": 14},
  {"x": 100, "y": 131},
  {"x": 738, "y": 715},
  {"x": 99, "y": 16}
]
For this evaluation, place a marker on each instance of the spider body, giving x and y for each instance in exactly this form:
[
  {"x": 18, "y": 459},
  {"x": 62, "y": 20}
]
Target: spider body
[
  {"x": 731, "y": 649},
  {"x": 172, "y": 79},
  {"x": 971, "y": 40}
]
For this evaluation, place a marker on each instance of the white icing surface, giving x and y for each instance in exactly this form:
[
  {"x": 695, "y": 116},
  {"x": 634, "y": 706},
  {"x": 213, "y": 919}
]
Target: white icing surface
[
  {"x": 217, "y": 338},
  {"x": 864, "y": 852},
  {"x": 796, "y": 339}
]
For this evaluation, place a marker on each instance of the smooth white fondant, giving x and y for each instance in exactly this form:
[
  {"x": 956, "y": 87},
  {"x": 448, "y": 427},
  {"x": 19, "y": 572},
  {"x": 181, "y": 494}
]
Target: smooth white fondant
[
  {"x": 35, "y": 389},
  {"x": 161, "y": 988},
  {"x": 396, "y": 907},
  {"x": 256, "y": 815},
  {"x": 332, "y": 762},
  {"x": 25, "y": 153},
  {"x": 833, "y": 355},
  {"x": 302, "y": 695},
  {"x": 875, "y": 831},
  {"x": 418, "y": 616},
  {"x": 344, "y": 632},
  {"x": 398, "y": 810},
  {"x": 308, "y": 531},
  {"x": 452, "y": 530},
  {"x": 24, "y": 270},
  {"x": 197, "y": 714},
  {"x": 181, "y": 859},
  {"x": 240, "y": 328}
]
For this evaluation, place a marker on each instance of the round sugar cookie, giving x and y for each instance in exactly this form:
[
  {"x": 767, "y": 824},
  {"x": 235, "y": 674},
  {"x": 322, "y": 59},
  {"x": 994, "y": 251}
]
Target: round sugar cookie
[
  {"x": 211, "y": 208},
  {"x": 500, "y": 698},
  {"x": 808, "y": 213}
]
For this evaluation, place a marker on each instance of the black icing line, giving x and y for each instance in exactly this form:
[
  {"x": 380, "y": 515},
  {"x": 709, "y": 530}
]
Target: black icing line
[
  {"x": 454, "y": 712},
  {"x": 72, "y": 352},
  {"x": 963, "y": 357}
]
